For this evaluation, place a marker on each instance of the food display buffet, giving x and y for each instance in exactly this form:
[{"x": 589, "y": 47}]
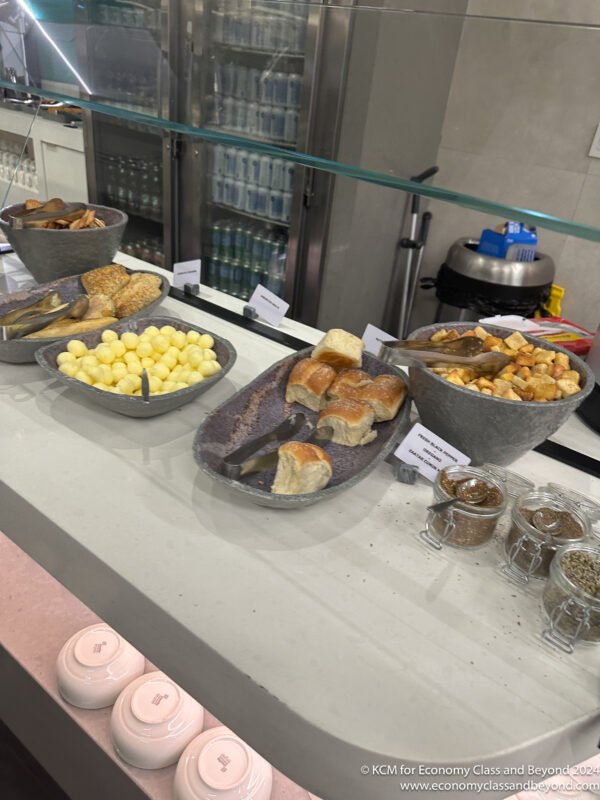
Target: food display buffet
[{"x": 229, "y": 504}]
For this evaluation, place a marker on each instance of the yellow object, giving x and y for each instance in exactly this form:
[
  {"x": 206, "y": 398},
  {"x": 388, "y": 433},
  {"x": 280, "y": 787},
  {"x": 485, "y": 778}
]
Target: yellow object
[
  {"x": 553, "y": 306},
  {"x": 109, "y": 336},
  {"x": 130, "y": 340},
  {"x": 65, "y": 358},
  {"x": 77, "y": 348}
]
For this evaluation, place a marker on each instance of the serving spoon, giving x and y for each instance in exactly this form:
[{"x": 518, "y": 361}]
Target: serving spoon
[
  {"x": 472, "y": 491},
  {"x": 481, "y": 364}
]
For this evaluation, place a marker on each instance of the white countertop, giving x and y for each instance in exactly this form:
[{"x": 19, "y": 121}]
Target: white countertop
[{"x": 328, "y": 638}]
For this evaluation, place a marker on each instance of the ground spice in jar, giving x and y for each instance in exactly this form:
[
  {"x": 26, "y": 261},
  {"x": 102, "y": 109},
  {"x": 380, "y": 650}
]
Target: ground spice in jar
[
  {"x": 541, "y": 549},
  {"x": 469, "y": 530},
  {"x": 583, "y": 570}
]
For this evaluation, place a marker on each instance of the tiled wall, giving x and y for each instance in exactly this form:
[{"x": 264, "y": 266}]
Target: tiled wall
[{"x": 523, "y": 108}]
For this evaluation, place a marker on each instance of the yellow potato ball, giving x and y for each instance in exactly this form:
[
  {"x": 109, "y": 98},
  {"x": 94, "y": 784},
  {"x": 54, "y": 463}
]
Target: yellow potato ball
[
  {"x": 173, "y": 351},
  {"x": 104, "y": 354},
  {"x": 130, "y": 340},
  {"x": 89, "y": 361},
  {"x": 179, "y": 386},
  {"x": 137, "y": 393},
  {"x": 65, "y": 358},
  {"x": 195, "y": 377},
  {"x": 69, "y": 368},
  {"x": 151, "y": 330},
  {"x": 193, "y": 337},
  {"x": 155, "y": 384},
  {"x": 109, "y": 336},
  {"x": 206, "y": 369},
  {"x": 130, "y": 356},
  {"x": 195, "y": 358},
  {"x": 135, "y": 368},
  {"x": 168, "y": 386},
  {"x": 206, "y": 341},
  {"x": 147, "y": 363},
  {"x": 210, "y": 355},
  {"x": 145, "y": 337},
  {"x": 182, "y": 357},
  {"x": 119, "y": 371},
  {"x": 83, "y": 377},
  {"x": 167, "y": 330},
  {"x": 184, "y": 376},
  {"x": 178, "y": 339},
  {"x": 144, "y": 349},
  {"x": 77, "y": 348},
  {"x": 168, "y": 361},
  {"x": 135, "y": 381},
  {"x": 174, "y": 375},
  {"x": 125, "y": 386},
  {"x": 118, "y": 348},
  {"x": 216, "y": 366},
  {"x": 160, "y": 371},
  {"x": 160, "y": 344}
]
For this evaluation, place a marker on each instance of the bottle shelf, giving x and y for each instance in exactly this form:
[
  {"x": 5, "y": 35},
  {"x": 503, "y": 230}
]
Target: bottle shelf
[
  {"x": 236, "y": 48},
  {"x": 252, "y": 137},
  {"x": 257, "y": 217}
]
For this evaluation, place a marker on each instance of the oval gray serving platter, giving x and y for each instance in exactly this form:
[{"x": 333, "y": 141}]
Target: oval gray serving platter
[
  {"x": 260, "y": 406},
  {"x": 22, "y": 351},
  {"x": 135, "y": 406}
]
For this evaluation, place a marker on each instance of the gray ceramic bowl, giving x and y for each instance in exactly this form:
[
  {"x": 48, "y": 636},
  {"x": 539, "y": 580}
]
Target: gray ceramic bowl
[
  {"x": 260, "y": 406},
  {"x": 488, "y": 428},
  {"x": 22, "y": 351},
  {"x": 135, "y": 406},
  {"x": 51, "y": 254}
]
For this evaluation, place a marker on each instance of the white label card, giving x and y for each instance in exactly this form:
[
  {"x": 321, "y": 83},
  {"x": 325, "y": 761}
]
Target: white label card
[
  {"x": 268, "y": 306},
  {"x": 428, "y": 452},
  {"x": 186, "y": 272},
  {"x": 374, "y": 337}
]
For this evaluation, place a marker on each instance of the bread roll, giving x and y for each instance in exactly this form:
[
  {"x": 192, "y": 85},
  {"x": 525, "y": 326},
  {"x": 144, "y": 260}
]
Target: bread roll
[
  {"x": 339, "y": 348},
  {"x": 106, "y": 280},
  {"x": 351, "y": 421},
  {"x": 308, "y": 383},
  {"x": 69, "y": 327},
  {"x": 141, "y": 290},
  {"x": 302, "y": 468},
  {"x": 385, "y": 395},
  {"x": 347, "y": 381},
  {"x": 100, "y": 306}
]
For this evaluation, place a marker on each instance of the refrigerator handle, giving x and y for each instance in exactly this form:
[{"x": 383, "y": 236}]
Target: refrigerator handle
[{"x": 309, "y": 187}]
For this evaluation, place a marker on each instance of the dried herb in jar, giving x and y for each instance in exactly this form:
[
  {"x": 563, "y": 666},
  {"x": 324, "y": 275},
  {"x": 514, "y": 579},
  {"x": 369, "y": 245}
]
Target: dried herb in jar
[{"x": 575, "y": 615}]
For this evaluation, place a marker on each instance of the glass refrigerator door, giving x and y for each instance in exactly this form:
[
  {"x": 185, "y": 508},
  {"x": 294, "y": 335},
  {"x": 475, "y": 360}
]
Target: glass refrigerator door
[
  {"x": 252, "y": 83},
  {"x": 129, "y": 164}
]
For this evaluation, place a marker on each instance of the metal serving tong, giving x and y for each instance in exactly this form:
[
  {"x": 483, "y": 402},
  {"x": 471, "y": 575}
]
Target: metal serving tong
[
  {"x": 75, "y": 310},
  {"x": 238, "y": 464},
  {"x": 457, "y": 353}
]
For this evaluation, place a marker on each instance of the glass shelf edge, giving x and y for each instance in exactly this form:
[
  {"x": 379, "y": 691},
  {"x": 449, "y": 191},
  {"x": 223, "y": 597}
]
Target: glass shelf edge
[{"x": 470, "y": 202}]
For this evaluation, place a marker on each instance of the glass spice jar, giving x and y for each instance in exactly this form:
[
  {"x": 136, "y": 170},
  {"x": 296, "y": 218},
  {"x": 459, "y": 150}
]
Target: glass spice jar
[
  {"x": 571, "y": 597},
  {"x": 514, "y": 484},
  {"x": 588, "y": 506},
  {"x": 464, "y": 524},
  {"x": 541, "y": 523}
]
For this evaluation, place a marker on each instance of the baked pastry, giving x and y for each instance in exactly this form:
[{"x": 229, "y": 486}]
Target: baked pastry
[
  {"x": 351, "y": 421},
  {"x": 100, "y": 306},
  {"x": 339, "y": 348},
  {"x": 66, "y": 327},
  {"x": 105, "y": 280},
  {"x": 348, "y": 379},
  {"x": 141, "y": 290},
  {"x": 385, "y": 395},
  {"x": 301, "y": 469},
  {"x": 308, "y": 383}
]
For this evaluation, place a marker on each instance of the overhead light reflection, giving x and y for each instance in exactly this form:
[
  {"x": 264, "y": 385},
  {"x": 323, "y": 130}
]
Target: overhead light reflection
[{"x": 27, "y": 9}]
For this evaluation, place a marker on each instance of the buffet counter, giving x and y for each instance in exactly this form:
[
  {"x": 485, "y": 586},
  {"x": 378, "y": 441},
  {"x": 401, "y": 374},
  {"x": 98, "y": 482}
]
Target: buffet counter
[{"x": 329, "y": 638}]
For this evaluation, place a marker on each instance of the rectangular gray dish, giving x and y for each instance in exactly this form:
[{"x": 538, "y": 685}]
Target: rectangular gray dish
[
  {"x": 260, "y": 406},
  {"x": 22, "y": 351},
  {"x": 135, "y": 406}
]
